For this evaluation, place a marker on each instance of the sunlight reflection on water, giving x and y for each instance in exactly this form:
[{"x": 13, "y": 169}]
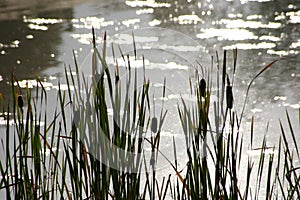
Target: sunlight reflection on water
[{"x": 210, "y": 24}]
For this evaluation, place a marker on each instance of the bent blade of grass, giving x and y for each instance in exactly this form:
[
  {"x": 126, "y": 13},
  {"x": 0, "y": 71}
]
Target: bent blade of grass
[
  {"x": 249, "y": 85},
  {"x": 172, "y": 165}
]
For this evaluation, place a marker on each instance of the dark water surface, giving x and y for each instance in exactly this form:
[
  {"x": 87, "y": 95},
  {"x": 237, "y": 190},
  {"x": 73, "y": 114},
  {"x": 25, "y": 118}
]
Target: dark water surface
[{"x": 37, "y": 39}]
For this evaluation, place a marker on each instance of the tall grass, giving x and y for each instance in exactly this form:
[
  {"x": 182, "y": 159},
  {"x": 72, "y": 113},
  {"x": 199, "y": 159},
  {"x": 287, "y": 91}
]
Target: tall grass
[
  {"x": 84, "y": 152},
  {"x": 221, "y": 179}
]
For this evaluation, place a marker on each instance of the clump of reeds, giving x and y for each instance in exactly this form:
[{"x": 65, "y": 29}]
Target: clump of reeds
[
  {"x": 83, "y": 152},
  {"x": 220, "y": 180}
]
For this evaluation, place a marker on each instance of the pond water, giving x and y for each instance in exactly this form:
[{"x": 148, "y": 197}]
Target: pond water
[{"x": 37, "y": 39}]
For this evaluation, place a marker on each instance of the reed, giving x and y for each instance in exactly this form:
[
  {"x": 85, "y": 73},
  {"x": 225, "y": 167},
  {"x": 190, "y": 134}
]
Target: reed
[{"x": 84, "y": 152}]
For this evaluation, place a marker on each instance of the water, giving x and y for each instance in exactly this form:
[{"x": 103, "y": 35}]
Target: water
[{"x": 37, "y": 39}]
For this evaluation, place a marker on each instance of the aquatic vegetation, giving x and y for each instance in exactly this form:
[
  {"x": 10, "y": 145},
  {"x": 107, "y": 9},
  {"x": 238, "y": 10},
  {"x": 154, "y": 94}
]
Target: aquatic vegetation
[{"x": 86, "y": 151}]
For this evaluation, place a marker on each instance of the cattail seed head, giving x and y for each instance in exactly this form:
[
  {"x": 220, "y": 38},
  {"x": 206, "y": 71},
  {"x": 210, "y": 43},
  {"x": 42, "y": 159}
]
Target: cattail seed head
[
  {"x": 154, "y": 124},
  {"x": 117, "y": 78},
  {"x": 20, "y": 102},
  {"x": 202, "y": 87},
  {"x": 117, "y": 72},
  {"x": 229, "y": 97}
]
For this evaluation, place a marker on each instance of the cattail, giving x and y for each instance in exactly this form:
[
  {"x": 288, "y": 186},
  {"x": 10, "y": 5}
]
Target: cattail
[
  {"x": 20, "y": 102},
  {"x": 154, "y": 124},
  {"x": 117, "y": 78},
  {"x": 94, "y": 37},
  {"x": 128, "y": 59},
  {"x": 117, "y": 72},
  {"x": 202, "y": 87},
  {"x": 229, "y": 97},
  {"x": 134, "y": 46}
]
